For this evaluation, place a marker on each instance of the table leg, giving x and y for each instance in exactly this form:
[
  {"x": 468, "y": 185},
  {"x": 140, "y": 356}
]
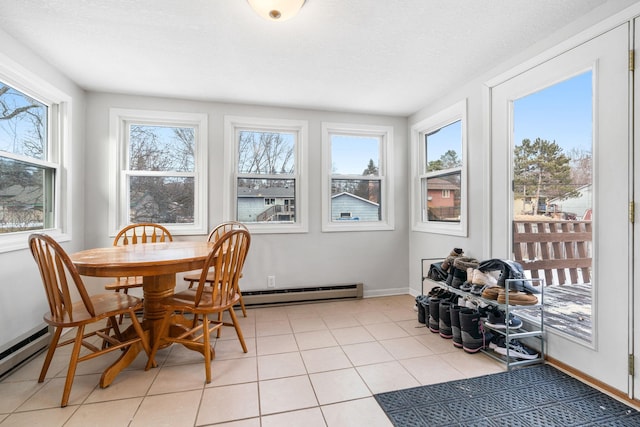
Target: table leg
[
  {"x": 155, "y": 289},
  {"x": 123, "y": 361}
]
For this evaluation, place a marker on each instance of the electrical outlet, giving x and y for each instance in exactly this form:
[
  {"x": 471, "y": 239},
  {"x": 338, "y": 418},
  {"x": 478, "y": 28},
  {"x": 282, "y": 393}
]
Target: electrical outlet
[{"x": 271, "y": 281}]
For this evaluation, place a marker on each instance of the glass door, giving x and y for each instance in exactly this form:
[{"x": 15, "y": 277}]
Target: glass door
[
  {"x": 560, "y": 181},
  {"x": 552, "y": 164}
]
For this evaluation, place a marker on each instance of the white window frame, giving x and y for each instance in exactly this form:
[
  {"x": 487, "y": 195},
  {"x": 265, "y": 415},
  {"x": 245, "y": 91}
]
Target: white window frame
[
  {"x": 119, "y": 119},
  {"x": 452, "y": 114},
  {"x": 58, "y": 151},
  {"x": 232, "y": 126},
  {"x": 385, "y": 174}
]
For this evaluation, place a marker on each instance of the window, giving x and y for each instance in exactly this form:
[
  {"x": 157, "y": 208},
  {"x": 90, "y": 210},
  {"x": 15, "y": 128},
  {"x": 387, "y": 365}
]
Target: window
[
  {"x": 357, "y": 193},
  {"x": 160, "y": 172},
  {"x": 439, "y": 185},
  {"x": 31, "y": 136},
  {"x": 266, "y": 165}
]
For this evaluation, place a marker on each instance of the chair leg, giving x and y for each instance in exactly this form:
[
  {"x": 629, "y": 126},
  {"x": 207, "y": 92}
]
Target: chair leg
[
  {"x": 73, "y": 363},
  {"x": 219, "y": 321},
  {"x": 52, "y": 349},
  {"x": 125, "y": 291},
  {"x": 236, "y": 325},
  {"x": 244, "y": 310},
  {"x": 207, "y": 347}
]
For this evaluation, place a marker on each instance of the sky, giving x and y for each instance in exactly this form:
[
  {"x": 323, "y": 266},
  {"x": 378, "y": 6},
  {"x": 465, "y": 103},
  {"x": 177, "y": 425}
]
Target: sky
[
  {"x": 350, "y": 155},
  {"x": 562, "y": 113},
  {"x": 445, "y": 139}
]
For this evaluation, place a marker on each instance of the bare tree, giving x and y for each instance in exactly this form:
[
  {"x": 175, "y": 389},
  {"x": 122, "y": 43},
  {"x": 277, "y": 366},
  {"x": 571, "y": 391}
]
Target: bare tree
[
  {"x": 265, "y": 153},
  {"x": 581, "y": 163}
]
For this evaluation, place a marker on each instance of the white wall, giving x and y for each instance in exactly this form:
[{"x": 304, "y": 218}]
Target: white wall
[
  {"x": 22, "y": 298},
  {"x": 378, "y": 259},
  {"x": 477, "y": 243}
]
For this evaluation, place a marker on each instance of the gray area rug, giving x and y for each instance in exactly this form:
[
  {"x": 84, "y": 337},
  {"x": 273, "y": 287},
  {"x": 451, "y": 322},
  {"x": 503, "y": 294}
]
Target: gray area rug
[{"x": 532, "y": 396}]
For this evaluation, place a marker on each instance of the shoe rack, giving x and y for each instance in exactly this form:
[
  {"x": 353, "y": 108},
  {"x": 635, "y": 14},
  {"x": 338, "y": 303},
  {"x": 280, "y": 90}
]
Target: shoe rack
[
  {"x": 535, "y": 331},
  {"x": 521, "y": 333}
]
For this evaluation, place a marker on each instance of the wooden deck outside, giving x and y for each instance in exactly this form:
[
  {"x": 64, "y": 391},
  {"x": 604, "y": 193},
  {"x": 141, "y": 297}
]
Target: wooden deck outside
[
  {"x": 560, "y": 252},
  {"x": 567, "y": 308}
]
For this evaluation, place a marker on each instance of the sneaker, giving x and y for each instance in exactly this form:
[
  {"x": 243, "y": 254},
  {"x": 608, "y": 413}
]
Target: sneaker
[
  {"x": 496, "y": 319},
  {"x": 476, "y": 290},
  {"x": 515, "y": 349},
  {"x": 466, "y": 287}
]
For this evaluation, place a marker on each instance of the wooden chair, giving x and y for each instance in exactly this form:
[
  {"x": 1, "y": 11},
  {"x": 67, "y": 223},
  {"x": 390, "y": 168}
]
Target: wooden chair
[
  {"x": 208, "y": 299},
  {"x": 59, "y": 277},
  {"x": 135, "y": 234},
  {"x": 215, "y": 234}
]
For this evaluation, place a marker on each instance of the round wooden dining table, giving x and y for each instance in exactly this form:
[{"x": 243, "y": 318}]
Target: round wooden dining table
[{"x": 158, "y": 264}]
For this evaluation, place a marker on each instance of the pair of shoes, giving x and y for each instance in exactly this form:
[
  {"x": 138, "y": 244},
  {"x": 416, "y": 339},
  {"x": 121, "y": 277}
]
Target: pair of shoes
[
  {"x": 438, "y": 292},
  {"x": 517, "y": 298},
  {"x": 514, "y": 348},
  {"x": 497, "y": 319},
  {"x": 491, "y": 292},
  {"x": 448, "y": 261},
  {"x": 489, "y": 278},
  {"x": 460, "y": 267}
]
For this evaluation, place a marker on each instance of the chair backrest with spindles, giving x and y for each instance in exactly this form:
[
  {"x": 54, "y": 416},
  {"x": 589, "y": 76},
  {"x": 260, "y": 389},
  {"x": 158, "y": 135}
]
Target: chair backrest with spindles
[
  {"x": 226, "y": 260},
  {"x": 144, "y": 232},
  {"x": 222, "y": 228},
  {"x": 59, "y": 276}
]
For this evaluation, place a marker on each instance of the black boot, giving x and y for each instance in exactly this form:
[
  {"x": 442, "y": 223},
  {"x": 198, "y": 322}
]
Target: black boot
[
  {"x": 445, "y": 320},
  {"x": 420, "y": 307},
  {"x": 474, "y": 337},
  {"x": 454, "y": 315},
  {"x": 434, "y": 315}
]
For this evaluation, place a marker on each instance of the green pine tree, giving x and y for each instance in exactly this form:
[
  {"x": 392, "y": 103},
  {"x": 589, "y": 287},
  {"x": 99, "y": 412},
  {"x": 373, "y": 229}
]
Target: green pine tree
[{"x": 541, "y": 169}]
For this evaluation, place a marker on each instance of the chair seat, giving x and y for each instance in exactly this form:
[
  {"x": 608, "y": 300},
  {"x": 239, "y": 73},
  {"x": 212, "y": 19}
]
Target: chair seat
[
  {"x": 194, "y": 277},
  {"x": 105, "y": 305},
  {"x": 184, "y": 300},
  {"x": 124, "y": 283}
]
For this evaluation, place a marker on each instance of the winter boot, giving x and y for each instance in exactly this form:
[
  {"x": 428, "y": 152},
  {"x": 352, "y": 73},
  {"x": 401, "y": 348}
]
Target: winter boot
[
  {"x": 474, "y": 337},
  {"x": 420, "y": 307},
  {"x": 454, "y": 315},
  {"x": 445, "y": 320},
  {"x": 434, "y": 315},
  {"x": 460, "y": 266}
]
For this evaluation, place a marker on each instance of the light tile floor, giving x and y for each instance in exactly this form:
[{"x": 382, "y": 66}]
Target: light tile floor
[{"x": 307, "y": 365}]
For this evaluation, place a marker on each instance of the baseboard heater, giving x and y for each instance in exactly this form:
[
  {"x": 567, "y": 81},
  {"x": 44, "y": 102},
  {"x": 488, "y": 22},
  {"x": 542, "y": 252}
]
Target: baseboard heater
[
  {"x": 22, "y": 348},
  {"x": 300, "y": 295}
]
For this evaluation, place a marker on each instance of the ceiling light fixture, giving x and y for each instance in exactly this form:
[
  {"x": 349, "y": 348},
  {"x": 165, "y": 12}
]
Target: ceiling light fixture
[{"x": 276, "y": 10}]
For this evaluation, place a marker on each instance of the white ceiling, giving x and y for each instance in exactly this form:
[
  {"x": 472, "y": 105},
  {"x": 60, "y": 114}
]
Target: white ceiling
[{"x": 375, "y": 56}]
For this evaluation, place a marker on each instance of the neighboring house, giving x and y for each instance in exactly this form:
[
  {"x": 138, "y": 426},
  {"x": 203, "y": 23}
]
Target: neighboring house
[
  {"x": 579, "y": 206},
  {"x": 266, "y": 204},
  {"x": 21, "y": 206},
  {"x": 441, "y": 199},
  {"x": 524, "y": 205},
  {"x": 349, "y": 207}
]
